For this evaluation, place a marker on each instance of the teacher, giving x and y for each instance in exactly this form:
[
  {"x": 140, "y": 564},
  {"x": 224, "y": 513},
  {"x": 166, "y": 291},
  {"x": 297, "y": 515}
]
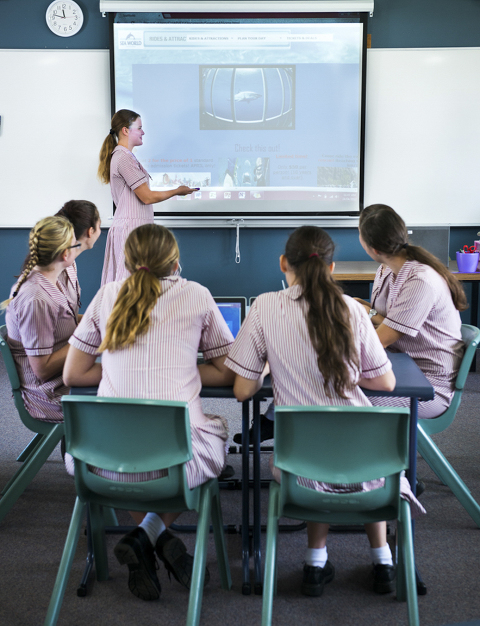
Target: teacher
[{"x": 130, "y": 189}]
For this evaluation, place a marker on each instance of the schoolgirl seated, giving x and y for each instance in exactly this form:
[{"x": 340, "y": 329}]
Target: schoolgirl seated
[
  {"x": 86, "y": 222},
  {"x": 320, "y": 348},
  {"x": 415, "y": 306},
  {"x": 149, "y": 329},
  {"x": 41, "y": 316}
]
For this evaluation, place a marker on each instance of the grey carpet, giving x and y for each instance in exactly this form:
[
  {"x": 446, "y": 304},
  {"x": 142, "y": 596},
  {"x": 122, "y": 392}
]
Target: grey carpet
[{"x": 447, "y": 550}]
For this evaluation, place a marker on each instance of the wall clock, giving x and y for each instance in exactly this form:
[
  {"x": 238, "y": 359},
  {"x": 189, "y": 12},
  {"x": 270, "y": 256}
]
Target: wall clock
[{"x": 64, "y": 18}]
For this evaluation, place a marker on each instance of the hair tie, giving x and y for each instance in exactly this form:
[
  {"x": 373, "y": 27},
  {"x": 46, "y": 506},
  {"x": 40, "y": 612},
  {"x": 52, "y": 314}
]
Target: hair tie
[
  {"x": 405, "y": 245},
  {"x": 143, "y": 267},
  {"x": 112, "y": 132},
  {"x": 312, "y": 255}
]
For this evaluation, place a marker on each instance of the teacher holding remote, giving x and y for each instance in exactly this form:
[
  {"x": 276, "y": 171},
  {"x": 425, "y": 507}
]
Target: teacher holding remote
[{"x": 130, "y": 189}]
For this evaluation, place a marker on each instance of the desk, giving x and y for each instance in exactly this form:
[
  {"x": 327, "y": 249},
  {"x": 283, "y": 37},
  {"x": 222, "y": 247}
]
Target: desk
[{"x": 411, "y": 383}]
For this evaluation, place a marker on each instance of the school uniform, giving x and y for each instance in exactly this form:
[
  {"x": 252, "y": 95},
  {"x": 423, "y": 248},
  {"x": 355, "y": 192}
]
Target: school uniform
[
  {"x": 69, "y": 281},
  {"x": 162, "y": 364},
  {"x": 418, "y": 304},
  {"x": 40, "y": 320},
  {"x": 276, "y": 330},
  {"x": 126, "y": 174}
]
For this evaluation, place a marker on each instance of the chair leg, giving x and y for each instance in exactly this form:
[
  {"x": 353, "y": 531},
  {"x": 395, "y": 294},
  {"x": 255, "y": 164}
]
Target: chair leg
[
  {"x": 401, "y": 586},
  {"x": 65, "y": 564},
  {"x": 409, "y": 560},
  {"x": 109, "y": 516},
  {"x": 26, "y": 452},
  {"x": 447, "y": 474},
  {"x": 98, "y": 539},
  {"x": 219, "y": 536},
  {"x": 269, "y": 579},
  {"x": 30, "y": 469},
  {"x": 200, "y": 559}
]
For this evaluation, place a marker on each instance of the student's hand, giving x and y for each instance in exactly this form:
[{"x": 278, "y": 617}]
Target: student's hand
[{"x": 184, "y": 190}]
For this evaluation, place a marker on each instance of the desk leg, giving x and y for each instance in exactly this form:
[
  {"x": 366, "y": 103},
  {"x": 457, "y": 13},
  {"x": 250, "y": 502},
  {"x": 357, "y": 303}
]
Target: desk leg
[
  {"x": 412, "y": 478},
  {"x": 474, "y": 317},
  {"x": 257, "y": 529},
  {"x": 246, "y": 588}
]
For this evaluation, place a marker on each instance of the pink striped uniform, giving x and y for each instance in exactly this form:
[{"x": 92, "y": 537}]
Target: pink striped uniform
[
  {"x": 40, "y": 320},
  {"x": 126, "y": 174},
  {"x": 418, "y": 304},
  {"x": 276, "y": 330},
  {"x": 162, "y": 364}
]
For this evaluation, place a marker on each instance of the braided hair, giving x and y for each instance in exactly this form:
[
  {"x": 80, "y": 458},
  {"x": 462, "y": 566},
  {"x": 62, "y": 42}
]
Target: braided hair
[{"x": 48, "y": 239}]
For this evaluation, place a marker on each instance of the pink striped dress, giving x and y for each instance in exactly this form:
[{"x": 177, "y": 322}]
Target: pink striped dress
[
  {"x": 162, "y": 364},
  {"x": 419, "y": 305},
  {"x": 276, "y": 330},
  {"x": 126, "y": 174},
  {"x": 40, "y": 321},
  {"x": 69, "y": 281}
]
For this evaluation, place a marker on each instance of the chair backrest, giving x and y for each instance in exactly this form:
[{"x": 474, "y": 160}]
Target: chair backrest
[
  {"x": 339, "y": 444},
  {"x": 128, "y": 435},
  {"x": 471, "y": 337},
  {"x": 30, "y": 422}
]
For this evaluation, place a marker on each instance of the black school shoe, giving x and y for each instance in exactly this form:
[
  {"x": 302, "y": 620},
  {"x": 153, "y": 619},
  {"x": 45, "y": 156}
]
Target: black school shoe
[
  {"x": 384, "y": 578},
  {"x": 315, "y": 578},
  {"x": 266, "y": 431},
  {"x": 136, "y": 551},
  {"x": 173, "y": 553}
]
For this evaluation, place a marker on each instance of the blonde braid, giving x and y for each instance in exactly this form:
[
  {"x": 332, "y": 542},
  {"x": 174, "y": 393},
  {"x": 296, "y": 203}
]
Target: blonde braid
[{"x": 44, "y": 247}]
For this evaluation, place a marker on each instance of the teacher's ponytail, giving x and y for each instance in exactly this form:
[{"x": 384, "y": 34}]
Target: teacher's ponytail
[
  {"x": 309, "y": 252},
  {"x": 122, "y": 118},
  {"x": 151, "y": 252}
]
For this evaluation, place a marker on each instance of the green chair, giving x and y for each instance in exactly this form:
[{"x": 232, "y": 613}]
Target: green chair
[
  {"x": 37, "y": 452},
  {"x": 341, "y": 445},
  {"x": 130, "y": 435},
  {"x": 427, "y": 427}
]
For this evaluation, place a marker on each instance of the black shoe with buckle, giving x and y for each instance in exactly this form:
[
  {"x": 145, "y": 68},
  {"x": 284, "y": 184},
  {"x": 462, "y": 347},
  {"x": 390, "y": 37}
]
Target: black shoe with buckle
[
  {"x": 383, "y": 578},
  {"x": 315, "y": 578},
  {"x": 136, "y": 551},
  {"x": 266, "y": 431},
  {"x": 173, "y": 553}
]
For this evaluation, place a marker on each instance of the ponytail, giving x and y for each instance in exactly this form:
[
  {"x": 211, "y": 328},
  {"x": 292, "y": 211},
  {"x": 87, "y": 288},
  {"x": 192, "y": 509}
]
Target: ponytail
[
  {"x": 309, "y": 252},
  {"x": 382, "y": 229},
  {"x": 122, "y": 118},
  {"x": 151, "y": 252}
]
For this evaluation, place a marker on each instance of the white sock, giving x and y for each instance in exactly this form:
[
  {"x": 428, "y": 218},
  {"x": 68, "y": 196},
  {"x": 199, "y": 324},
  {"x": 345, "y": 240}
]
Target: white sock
[
  {"x": 153, "y": 525},
  {"x": 381, "y": 556},
  {"x": 316, "y": 556}
]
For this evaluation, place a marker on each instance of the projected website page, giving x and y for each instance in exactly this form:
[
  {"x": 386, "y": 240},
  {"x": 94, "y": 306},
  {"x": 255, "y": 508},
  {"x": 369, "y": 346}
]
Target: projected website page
[{"x": 264, "y": 118}]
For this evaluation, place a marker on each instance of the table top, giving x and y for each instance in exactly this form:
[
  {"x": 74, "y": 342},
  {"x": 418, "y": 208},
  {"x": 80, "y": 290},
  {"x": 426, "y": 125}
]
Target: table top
[
  {"x": 364, "y": 271},
  {"x": 411, "y": 383}
]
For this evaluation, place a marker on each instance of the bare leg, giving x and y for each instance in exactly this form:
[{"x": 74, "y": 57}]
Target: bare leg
[
  {"x": 317, "y": 534},
  {"x": 377, "y": 534}
]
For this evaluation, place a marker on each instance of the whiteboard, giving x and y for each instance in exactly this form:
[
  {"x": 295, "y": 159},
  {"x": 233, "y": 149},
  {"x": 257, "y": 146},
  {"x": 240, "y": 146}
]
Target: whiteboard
[
  {"x": 55, "y": 114},
  {"x": 423, "y": 134}
]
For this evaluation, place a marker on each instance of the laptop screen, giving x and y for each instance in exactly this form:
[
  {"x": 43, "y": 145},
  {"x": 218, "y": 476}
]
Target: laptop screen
[{"x": 233, "y": 311}]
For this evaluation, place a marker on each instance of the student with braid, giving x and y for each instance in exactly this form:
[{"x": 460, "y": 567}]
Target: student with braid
[
  {"x": 320, "y": 347},
  {"x": 40, "y": 318},
  {"x": 150, "y": 328},
  {"x": 129, "y": 184},
  {"x": 416, "y": 304}
]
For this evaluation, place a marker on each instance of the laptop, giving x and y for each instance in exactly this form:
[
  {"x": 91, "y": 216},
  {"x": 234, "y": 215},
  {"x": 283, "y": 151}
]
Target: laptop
[{"x": 233, "y": 310}]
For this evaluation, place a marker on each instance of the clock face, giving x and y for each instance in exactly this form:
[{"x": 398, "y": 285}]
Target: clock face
[{"x": 64, "y": 18}]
